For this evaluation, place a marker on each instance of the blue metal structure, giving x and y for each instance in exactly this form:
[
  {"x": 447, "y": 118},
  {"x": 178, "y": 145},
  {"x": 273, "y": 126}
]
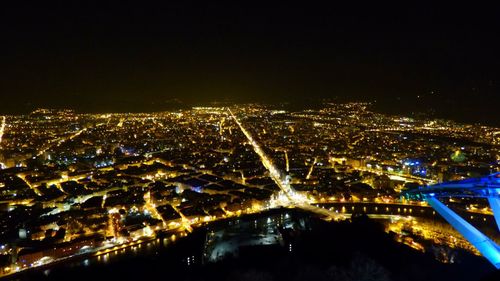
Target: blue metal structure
[{"x": 485, "y": 187}]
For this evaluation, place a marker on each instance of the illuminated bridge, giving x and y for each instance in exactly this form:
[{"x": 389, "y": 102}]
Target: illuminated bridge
[{"x": 487, "y": 187}]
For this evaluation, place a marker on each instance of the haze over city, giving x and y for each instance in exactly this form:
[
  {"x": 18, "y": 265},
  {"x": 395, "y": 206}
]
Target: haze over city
[{"x": 122, "y": 56}]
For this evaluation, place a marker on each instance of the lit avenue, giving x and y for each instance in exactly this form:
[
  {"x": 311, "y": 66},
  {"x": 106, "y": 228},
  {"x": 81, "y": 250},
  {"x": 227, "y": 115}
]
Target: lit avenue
[{"x": 75, "y": 186}]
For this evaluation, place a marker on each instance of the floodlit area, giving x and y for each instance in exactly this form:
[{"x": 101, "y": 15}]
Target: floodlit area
[{"x": 105, "y": 183}]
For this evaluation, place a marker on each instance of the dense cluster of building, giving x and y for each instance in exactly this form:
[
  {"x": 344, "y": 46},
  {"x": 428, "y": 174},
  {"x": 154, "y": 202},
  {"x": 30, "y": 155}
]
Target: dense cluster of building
[{"x": 75, "y": 183}]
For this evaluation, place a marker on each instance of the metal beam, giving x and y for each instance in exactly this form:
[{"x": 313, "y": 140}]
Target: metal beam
[
  {"x": 481, "y": 242},
  {"x": 495, "y": 207}
]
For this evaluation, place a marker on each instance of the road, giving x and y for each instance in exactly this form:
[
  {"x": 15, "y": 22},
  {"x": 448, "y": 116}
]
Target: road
[
  {"x": 398, "y": 176},
  {"x": 2, "y": 130},
  {"x": 291, "y": 198},
  {"x": 312, "y": 168},
  {"x": 273, "y": 171},
  {"x": 186, "y": 224},
  {"x": 34, "y": 188},
  {"x": 61, "y": 141}
]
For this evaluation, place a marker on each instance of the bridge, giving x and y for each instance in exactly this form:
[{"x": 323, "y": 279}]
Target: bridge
[{"x": 487, "y": 187}]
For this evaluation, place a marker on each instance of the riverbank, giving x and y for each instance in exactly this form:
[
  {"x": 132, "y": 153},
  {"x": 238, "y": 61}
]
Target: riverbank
[{"x": 320, "y": 246}]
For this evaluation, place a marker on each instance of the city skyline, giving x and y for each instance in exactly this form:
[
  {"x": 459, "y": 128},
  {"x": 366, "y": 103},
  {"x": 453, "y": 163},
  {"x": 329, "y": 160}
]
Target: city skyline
[
  {"x": 105, "y": 185},
  {"x": 128, "y": 57},
  {"x": 273, "y": 141}
]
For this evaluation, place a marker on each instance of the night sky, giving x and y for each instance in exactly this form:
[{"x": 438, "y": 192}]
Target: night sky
[{"x": 126, "y": 56}]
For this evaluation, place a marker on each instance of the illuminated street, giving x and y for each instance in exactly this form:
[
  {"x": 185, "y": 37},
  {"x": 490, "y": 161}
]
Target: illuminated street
[
  {"x": 330, "y": 141},
  {"x": 2, "y": 128}
]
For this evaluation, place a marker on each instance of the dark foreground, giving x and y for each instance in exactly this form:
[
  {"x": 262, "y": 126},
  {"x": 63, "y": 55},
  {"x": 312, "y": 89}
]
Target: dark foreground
[{"x": 357, "y": 250}]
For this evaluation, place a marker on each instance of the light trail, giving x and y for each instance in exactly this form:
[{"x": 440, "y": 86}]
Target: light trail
[
  {"x": 36, "y": 190},
  {"x": 311, "y": 169},
  {"x": 61, "y": 141},
  {"x": 2, "y": 129},
  {"x": 273, "y": 171},
  {"x": 293, "y": 199},
  {"x": 184, "y": 221},
  {"x": 397, "y": 176},
  {"x": 287, "y": 162},
  {"x": 221, "y": 128}
]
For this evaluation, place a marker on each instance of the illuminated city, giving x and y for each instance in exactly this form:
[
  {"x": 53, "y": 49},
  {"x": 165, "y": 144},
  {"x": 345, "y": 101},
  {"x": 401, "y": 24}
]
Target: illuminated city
[
  {"x": 247, "y": 141},
  {"x": 81, "y": 185}
]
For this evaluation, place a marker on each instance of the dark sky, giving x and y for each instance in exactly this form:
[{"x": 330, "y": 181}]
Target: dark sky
[{"x": 126, "y": 55}]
